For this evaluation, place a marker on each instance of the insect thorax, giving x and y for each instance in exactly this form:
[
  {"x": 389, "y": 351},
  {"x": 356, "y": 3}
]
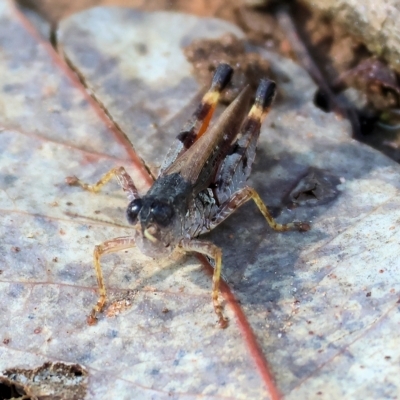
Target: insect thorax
[
  {"x": 201, "y": 211},
  {"x": 160, "y": 219}
]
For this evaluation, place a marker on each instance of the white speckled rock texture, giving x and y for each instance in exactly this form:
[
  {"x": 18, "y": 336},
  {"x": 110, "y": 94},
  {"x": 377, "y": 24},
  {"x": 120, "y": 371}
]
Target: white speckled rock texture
[
  {"x": 322, "y": 304},
  {"x": 375, "y": 23}
]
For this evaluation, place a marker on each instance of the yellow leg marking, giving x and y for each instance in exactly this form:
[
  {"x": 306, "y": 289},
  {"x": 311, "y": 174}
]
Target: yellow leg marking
[
  {"x": 98, "y": 251},
  {"x": 301, "y": 226},
  {"x": 73, "y": 180},
  {"x": 222, "y": 321},
  {"x": 111, "y": 246},
  {"x": 215, "y": 252}
]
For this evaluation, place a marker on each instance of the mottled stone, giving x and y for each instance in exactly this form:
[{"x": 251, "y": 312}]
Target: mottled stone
[{"x": 375, "y": 23}]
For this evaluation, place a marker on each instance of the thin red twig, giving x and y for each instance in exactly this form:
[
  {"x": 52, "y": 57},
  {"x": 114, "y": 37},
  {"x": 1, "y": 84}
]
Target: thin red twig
[
  {"x": 248, "y": 334},
  {"x": 66, "y": 70}
]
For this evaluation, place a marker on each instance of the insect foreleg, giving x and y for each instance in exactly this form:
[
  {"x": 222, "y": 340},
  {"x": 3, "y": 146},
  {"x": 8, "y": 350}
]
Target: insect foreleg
[
  {"x": 110, "y": 246},
  {"x": 214, "y": 252},
  {"x": 242, "y": 196},
  {"x": 123, "y": 178}
]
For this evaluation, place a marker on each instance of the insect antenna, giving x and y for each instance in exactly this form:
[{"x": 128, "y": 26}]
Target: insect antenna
[{"x": 96, "y": 220}]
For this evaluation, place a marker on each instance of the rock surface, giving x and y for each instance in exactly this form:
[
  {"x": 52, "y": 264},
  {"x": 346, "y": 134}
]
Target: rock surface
[
  {"x": 375, "y": 23},
  {"x": 323, "y": 304}
]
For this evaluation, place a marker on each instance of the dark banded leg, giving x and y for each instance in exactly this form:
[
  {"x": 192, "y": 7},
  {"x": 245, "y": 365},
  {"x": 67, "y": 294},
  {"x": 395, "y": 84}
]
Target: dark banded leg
[
  {"x": 123, "y": 178},
  {"x": 236, "y": 167},
  {"x": 202, "y": 116},
  {"x": 110, "y": 246},
  {"x": 210, "y": 250},
  {"x": 198, "y": 123},
  {"x": 242, "y": 196},
  {"x": 262, "y": 103}
]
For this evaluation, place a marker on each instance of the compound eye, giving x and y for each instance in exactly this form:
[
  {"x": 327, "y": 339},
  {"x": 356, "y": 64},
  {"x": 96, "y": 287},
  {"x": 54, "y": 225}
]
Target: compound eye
[
  {"x": 133, "y": 210},
  {"x": 162, "y": 213}
]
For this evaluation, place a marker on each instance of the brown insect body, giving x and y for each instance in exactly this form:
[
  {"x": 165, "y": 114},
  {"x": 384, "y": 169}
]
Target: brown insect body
[
  {"x": 179, "y": 204},
  {"x": 202, "y": 182},
  {"x": 160, "y": 222}
]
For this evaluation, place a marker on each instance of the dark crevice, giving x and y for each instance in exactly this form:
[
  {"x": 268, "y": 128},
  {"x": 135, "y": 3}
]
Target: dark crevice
[
  {"x": 53, "y": 380},
  {"x": 9, "y": 390},
  {"x": 351, "y": 80},
  {"x": 321, "y": 100},
  {"x": 53, "y": 36}
]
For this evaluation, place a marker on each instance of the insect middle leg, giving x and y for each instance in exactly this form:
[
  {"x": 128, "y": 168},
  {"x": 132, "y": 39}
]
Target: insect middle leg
[
  {"x": 110, "y": 246},
  {"x": 214, "y": 252},
  {"x": 123, "y": 178},
  {"x": 242, "y": 196}
]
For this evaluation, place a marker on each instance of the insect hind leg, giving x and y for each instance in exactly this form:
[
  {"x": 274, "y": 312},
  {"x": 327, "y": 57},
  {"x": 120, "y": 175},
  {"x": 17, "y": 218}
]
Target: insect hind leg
[
  {"x": 242, "y": 196},
  {"x": 236, "y": 167},
  {"x": 200, "y": 120},
  {"x": 197, "y": 125}
]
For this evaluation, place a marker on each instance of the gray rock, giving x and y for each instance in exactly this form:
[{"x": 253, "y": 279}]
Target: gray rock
[{"x": 375, "y": 23}]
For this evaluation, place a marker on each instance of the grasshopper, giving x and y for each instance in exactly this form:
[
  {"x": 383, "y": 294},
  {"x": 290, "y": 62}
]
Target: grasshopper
[{"x": 201, "y": 182}]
